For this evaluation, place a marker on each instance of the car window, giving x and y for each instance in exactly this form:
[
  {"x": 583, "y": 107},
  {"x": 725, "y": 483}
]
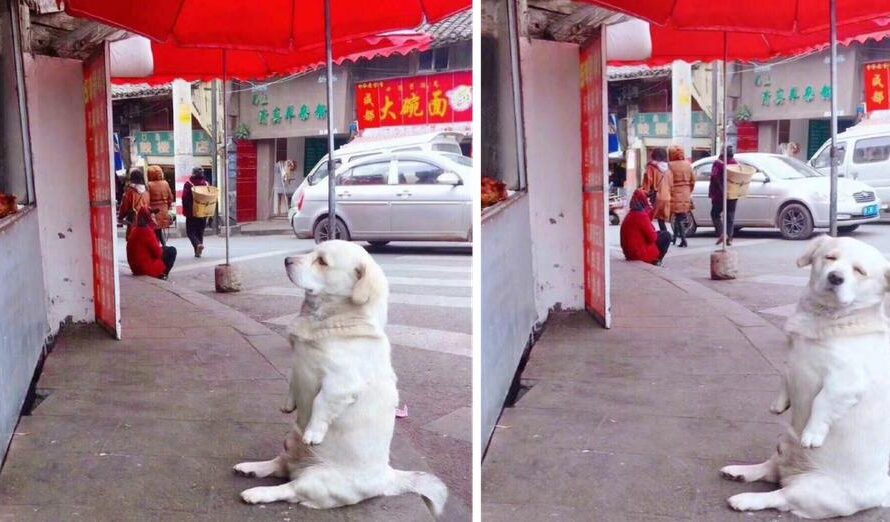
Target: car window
[
  {"x": 368, "y": 174},
  {"x": 703, "y": 171},
  {"x": 322, "y": 172},
  {"x": 821, "y": 160},
  {"x": 447, "y": 147},
  {"x": 782, "y": 167},
  {"x": 872, "y": 150},
  {"x": 418, "y": 173}
]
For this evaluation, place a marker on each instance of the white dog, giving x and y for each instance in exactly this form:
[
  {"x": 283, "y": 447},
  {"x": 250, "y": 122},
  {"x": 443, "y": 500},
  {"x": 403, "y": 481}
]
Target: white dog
[
  {"x": 343, "y": 389},
  {"x": 834, "y": 460}
]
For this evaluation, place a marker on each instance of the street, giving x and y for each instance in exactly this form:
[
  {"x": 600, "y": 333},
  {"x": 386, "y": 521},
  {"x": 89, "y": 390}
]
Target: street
[
  {"x": 769, "y": 280},
  {"x": 430, "y": 323}
]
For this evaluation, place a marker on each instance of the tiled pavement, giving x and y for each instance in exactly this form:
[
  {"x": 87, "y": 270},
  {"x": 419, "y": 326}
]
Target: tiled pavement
[
  {"x": 634, "y": 423},
  {"x": 148, "y": 428}
]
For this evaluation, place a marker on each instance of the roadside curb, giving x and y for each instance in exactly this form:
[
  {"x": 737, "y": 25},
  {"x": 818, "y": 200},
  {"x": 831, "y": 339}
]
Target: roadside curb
[
  {"x": 764, "y": 336},
  {"x": 267, "y": 342}
]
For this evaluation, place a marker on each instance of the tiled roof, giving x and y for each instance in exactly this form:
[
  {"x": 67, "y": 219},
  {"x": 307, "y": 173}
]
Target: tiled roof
[
  {"x": 138, "y": 90},
  {"x": 632, "y": 72},
  {"x": 457, "y": 28}
]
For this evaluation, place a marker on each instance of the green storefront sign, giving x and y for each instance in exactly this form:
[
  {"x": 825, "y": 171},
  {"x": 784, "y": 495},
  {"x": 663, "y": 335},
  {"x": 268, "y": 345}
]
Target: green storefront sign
[
  {"x": 781, "y": 96},
  {"x": 161, "y": 143},
  {"x": 276, "y": 115}
]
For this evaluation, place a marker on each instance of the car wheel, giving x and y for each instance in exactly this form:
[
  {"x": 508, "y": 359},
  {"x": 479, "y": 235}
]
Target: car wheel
[
  {"x": 847, "y": 229},
  {"x": 691, "y": 225},
  {"x": 320, "y": 231},
  {"x": 795, "y": 222},
  {"x": 378, "y": 244}
]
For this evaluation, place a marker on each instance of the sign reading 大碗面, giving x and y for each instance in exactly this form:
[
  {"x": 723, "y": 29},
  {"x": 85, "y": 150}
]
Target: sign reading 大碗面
[
  {"x": 435, "y": 99},
  {"x": 296, "y": 107},
  {"x": 800, "y": 89}
]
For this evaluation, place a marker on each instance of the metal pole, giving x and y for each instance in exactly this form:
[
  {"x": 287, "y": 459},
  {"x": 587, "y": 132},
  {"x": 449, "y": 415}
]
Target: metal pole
[
  {"x": 214, "y": 144},
  {"x": 518, "y": 125},
  {"x": 225, "y": 169},
  {"x": 715, "y": 80},
  {"x": 725, "y": 145},
  {"x": 833, "y": 205},
  {"x": 332, "y": 183}
]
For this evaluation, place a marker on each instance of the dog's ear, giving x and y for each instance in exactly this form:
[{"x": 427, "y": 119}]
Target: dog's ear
[
  {"x": 371, "y": 284},
  {"x": 806, "y": 259}
]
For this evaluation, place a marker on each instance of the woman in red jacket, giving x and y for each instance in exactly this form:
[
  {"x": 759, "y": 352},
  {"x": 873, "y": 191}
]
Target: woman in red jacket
[
  {"x": 639, "y": 240},
  {"x": 145, "y": 255}
]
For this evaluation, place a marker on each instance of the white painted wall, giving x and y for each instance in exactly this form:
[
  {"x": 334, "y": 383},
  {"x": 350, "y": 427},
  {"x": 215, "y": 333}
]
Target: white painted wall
[
  {"x": 23, "y": 326},
  {"x": 265, "y": 165},
  {"x": 552, "y": 114},
  {"x": 58, "y": 144},
  {"x": 508, "y": 309}
]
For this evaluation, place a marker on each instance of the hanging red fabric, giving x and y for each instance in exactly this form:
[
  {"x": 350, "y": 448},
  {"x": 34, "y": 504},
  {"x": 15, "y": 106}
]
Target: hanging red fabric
[
  {"x": 268, "y": 25},
  {"x": 201, "y": 64}
]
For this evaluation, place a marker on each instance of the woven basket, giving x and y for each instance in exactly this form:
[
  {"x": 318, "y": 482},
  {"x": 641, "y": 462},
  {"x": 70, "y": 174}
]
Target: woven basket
[
  {"x": 204, "y": 200},
  {"x": 739, "y": 179}
]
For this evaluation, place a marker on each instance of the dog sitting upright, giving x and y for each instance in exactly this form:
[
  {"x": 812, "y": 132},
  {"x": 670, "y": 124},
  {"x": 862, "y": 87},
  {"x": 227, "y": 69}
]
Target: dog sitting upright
[
  {"x": 834, "y": 459},
  {"x": 343, "y": 389}
]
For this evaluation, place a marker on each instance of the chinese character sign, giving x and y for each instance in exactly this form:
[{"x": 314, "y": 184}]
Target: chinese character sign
[
  {"x": 418, "y": 100},
  {"x": 877, "y": 81},
  {"x": 97, "y": 111}
]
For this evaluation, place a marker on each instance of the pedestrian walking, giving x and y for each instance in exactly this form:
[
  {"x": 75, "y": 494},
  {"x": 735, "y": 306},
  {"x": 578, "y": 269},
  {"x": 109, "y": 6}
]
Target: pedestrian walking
[
  {"x": 194, "y": 226},
  {"x": 657, "y": 186},
  {"x": 715, "y": 192},
  {"x": 682, "y": 184},
  {"x": 145, "y": 254},
  {"x": 135, "y": 198},
  {"x": 639, "y": 240},
  {"x": 160, "y": 198}
]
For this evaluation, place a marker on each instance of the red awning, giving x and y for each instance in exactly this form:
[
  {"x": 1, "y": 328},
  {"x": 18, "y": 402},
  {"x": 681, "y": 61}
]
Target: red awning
[
  {"x": 192, "y": 63},
  {"x": 760, "y": 16},
  {"x": 279, "y": 25},
  {"x": 673, "y": 44}
]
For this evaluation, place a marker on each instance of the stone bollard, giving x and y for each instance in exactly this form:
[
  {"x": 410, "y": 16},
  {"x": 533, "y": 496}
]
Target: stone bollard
[
  {"x": 724, "y": 265},
  {"x": 227, "y": 279}
]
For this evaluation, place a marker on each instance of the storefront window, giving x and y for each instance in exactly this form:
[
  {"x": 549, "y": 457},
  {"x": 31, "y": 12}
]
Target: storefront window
[{"x": 16, "y": 178}]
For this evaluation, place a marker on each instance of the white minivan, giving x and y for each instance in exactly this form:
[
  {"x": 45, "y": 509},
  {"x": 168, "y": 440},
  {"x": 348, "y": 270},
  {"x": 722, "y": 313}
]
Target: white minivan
[{"x": 863, "y": 155}]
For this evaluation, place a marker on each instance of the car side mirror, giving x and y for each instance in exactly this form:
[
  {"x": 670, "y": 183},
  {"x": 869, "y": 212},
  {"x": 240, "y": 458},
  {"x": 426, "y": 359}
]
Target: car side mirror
[
  {"x": 761, "y": 177},
  {"x": 448, "y": 178}
]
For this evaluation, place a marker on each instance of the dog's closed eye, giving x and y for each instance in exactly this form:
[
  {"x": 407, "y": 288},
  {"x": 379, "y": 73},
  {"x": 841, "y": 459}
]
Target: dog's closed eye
[
  {"x": 831, "y": 257},
  {"x": 321, "y": 261},
  {"x": 861, "y": 271}
]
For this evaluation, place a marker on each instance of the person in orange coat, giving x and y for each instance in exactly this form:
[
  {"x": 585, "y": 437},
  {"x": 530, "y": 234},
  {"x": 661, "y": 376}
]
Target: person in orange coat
[
  {"x": 657, "y": 185},
  {"x": 145, "y": 254},
  {"x": 160, "y": 198},
  {"x": 639, "y": 240},
  {"x": 135, "y": 198},
  {"x": 682, "y": 184}
]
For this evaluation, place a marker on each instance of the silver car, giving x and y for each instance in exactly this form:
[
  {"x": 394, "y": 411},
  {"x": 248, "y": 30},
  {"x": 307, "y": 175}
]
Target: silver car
[
  {"x": 408, "y": 196},
  {"x": 787, "y": 194}
]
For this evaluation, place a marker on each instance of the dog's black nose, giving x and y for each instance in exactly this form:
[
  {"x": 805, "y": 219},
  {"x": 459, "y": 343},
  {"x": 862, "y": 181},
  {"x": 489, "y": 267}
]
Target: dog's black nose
[{"x": 835, "y": 278}]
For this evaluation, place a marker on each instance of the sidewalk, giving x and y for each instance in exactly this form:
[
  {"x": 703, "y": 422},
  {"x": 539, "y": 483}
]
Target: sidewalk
[
  {"x": 148, "y": 428},
  {"x": 633, "y": 423}
]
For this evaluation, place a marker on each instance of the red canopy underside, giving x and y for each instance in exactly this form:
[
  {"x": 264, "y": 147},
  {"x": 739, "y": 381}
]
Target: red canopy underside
[
  {"x": 762, "y": 16},
  {"x": 278, "y": 25},
  {"x": 673, "y": 44},
  {"x": 193, "y": 64}
]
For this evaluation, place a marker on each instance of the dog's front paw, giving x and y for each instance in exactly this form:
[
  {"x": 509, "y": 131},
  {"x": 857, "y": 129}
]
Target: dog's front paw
[
  {"x": 746, "y": 502},
  {"x": 315, "y": 433},
  {"x": 813, "y": 437},
  {"x": 259, "y": 495},
  {"x": 290, "y": 406},
  {"x": 780, "y": 405}
]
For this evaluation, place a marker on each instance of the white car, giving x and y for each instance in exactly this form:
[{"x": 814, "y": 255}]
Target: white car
[
  {"x": 787, "y": 194},
  {"x": 407, "y": 196}
]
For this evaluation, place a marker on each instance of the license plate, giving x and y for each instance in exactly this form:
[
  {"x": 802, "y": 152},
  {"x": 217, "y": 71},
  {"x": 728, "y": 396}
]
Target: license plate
[{"x": 869, "y": 211}]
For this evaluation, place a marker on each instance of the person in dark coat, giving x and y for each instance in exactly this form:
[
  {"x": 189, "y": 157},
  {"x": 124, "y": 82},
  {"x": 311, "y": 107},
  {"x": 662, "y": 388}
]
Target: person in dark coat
[
  {"x": 145, "y": 255},
  {"x": 194, "y": 226},
  {"x": 715, "y": 192},
  {"x": 639, "y": 240}
]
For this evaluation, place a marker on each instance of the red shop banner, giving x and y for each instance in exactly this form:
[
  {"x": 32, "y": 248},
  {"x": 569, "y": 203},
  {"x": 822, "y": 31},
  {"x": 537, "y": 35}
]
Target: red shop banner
[
  {"x": 416, "y": 100},
  {"x": 877, "y": 86},
  {"x": 103, "y": 228}
]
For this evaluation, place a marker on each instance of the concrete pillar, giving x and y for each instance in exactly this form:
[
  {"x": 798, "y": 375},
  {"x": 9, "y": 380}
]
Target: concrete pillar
[
  {"x": 182, "y": 138},
  {"x": 681, "y": 105}
]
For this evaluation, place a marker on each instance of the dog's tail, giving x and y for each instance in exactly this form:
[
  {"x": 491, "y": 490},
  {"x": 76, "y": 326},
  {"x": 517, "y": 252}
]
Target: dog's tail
[{"x": 427, "y": 485}]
